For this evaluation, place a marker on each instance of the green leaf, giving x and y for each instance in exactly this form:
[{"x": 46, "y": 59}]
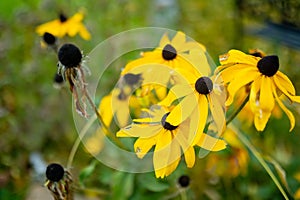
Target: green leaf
[
  {"x": 149, "y": 182},
  {"x": 87, "y": 171},
  {"x": 122, "y": 185}
]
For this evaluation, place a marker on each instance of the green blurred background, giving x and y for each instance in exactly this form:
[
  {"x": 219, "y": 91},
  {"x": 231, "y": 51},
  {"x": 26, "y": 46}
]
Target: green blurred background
[{"x": 37, "y": 118}]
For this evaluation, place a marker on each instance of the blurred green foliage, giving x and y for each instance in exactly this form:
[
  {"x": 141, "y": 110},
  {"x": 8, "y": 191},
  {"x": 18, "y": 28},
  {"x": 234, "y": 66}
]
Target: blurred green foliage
[{"x": 34, "y": 116}]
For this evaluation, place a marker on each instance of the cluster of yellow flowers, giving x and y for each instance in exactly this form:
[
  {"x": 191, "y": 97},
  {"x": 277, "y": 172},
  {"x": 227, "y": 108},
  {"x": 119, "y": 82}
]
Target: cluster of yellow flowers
[
  {"x": 179, "y": 97},
  {"x": 180, "y": 102}
]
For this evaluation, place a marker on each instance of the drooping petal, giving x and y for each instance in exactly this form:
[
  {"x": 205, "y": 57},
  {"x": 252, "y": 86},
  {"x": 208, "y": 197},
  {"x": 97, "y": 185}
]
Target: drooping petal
[
  {"x": 183, "y": 110},
  {"x": 284, "y": 90},
  {"x": 218, "y": 112},
  {"x": 162, "y": 152},
  {"x": 285, "y": 82},
  {"x": 287, "y": 112},
  {"x": 243, "y": 78},
  {"x": 202, "y": 109},
  {"x": 254, "y": 95},
  {"x": 189, "y": 156},
  {"x": 265, "y": 105},
  {"x": 210, "y": 143}
]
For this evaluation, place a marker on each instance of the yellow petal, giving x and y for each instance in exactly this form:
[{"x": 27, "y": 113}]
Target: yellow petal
[
  {"x": 52, "y": 27},
  {"x": 105, "y": 109},
  {"x": 143, "y": 145},
  {"x": 164, "y": 41},
  {"x": 84, "y": 33},
  {"x": 211, "y": 143},
  {"x": 281, "y": 87},
  {"x": 218, "y": 112},
  {"x": 178, "y": 40},
  {"x": 287, "y": 112},
  {"x": 238, "y": 57},
  {"x": 189, "y": 156},
  {"x": 202, "y": 109},
  {"x": 183, "y": 110},
  {"x": 254, "y": 101},
  {"x": 242, "y": 78},
  {"x": 141, "y": 130},
  {"x": 122, "y": 115},
  {"x": 285, "y": 82},
  {"x": 176, "y": 92}
]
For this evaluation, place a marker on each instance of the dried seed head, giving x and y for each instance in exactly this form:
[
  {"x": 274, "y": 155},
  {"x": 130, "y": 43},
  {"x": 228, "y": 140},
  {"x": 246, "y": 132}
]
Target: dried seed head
[
  {"x": 69, "y": 55},
  {"x": 184, "y": 181},
  {"x": 55, "y": 172}
]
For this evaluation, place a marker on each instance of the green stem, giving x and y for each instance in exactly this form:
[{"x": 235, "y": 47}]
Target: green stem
[
  {"x": 262, "y": 162},
  {"x": 78, "y": 140},
  {"x": 234, "y": 114}
]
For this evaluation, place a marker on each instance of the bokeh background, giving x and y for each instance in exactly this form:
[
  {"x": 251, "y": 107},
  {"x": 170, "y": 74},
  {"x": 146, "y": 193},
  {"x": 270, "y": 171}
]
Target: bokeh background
[{"x": 36, "y": 122}]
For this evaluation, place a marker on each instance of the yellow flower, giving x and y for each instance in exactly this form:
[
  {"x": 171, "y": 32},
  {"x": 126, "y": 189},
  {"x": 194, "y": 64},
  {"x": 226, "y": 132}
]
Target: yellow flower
[
  {"x": 168, "y": 140},
  {"x": 65, "y": 26},
  {"x": 265, "y": 81},
  {"x": 117, "y": 103},
  {"x": 198, "y": 96}
]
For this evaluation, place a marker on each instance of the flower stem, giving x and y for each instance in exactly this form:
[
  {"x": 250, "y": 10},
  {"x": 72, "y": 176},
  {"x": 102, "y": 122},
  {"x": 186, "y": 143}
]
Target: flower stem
[
  {"x": 77, "y": 142},
  {"x": 262, "y": 162},
  {"x": 235, "y": 113}
]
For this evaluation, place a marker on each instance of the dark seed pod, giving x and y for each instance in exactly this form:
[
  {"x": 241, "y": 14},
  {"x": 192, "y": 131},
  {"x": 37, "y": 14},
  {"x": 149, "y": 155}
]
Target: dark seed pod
[
  {"x": 167, "y": 125},
  {"x": 49, "y": 38},
  {"x": 169, "y": 52},
  {"x": 132, "y": 79},
  {"x": 58, "y": 78},
  {"x": 268, "y": 65},
  {"x": 55, "y": 172},
  {"x": 69, "y": 55},
  {"x": 184, "y": 181},
  {"x": 62, "y": 17},
  {"x": 204, "y": 85}
]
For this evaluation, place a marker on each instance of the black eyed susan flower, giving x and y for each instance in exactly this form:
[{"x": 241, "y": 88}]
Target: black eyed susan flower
[
  {"x": 65, "y": 26},
  {"x": 176, "y": 53},
  {"x": 199, "y": 96},
  {"x": 170, "y": 141},
  {"x": 59, "y": 182},
  {"x": 71, "y": 68},
  {"x": 266, "y": 84},
  {"x": 117, "y": 103}
]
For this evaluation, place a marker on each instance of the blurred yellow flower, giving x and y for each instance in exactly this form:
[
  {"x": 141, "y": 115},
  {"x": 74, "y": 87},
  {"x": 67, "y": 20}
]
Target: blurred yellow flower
[
  {"x": 168, "y": 140},
  {"x": 234, "y": 162},
  {"x": 265, "y": 81},
  {"x": 65, "y": 26}
]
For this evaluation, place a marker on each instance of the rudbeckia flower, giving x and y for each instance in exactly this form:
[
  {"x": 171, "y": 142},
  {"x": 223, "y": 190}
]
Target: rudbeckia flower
[
  {"x": 169, "y": 140},
  {"x": 266, "y": 84},
  {"x": 200, "y": 94},
  {"x": 65, "y": 26},
  {"x": 117, "y": 103}
]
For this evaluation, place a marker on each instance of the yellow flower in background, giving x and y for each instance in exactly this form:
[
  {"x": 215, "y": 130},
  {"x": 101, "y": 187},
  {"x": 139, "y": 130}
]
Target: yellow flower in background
[
  {"x": 65, "y": 26},
  {"x": 170, "y": 141},
  {"x": 267, "y": 83},
  {"x": 234, "y": 162},
  {"x": 117, "y": 103}
]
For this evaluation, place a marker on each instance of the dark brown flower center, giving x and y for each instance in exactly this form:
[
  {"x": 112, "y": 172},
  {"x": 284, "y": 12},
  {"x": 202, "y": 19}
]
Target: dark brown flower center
[
  {"x": 62, "y": 18},
  {"x": 167, "y": 125},
  {"x": 49, "y": 38},
  {"x": 69, "y": 55},
  {"x": 55, "y": 172},
  {"x": 268, "y": 65},
  {"x": 204, "y": 85},
  {"x": 169, "y": 52}
]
